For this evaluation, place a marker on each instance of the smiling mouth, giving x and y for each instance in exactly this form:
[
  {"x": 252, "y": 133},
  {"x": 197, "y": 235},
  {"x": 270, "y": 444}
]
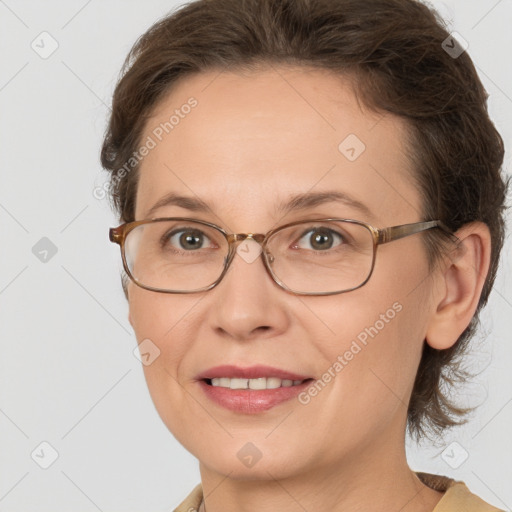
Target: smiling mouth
[{"x": 261, "y": 383}]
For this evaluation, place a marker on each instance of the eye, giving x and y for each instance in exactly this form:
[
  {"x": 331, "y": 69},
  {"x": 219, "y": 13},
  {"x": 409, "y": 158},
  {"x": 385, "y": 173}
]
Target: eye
[
  {"x": 320, "y": 239},
  {"x": 189, "y": 239}
]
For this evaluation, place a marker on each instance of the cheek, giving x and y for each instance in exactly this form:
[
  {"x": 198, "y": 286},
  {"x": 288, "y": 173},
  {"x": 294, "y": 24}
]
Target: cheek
[
  {"x": 160, "y": 317},
  {"x": 367, "y": 378},
  {"x": 373, "y": 350},
  {"x": 371, "y": 338},
  {"x": 162, "y": 327},
  {"x": 402, "y": 307}
]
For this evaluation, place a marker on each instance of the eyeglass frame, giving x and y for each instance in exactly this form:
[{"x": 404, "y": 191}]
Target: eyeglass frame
[{"x": 380, "y": 236}]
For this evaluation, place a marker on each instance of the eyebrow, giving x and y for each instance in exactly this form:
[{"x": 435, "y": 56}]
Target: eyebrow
[{"x": 292, "y": 203}]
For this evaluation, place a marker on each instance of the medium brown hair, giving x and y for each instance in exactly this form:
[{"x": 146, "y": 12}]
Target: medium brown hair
[{"x": 394, "y": 50}]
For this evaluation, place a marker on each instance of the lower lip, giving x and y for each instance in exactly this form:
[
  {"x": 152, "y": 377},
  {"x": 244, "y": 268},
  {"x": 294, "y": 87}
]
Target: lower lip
[{"x": 251, "y": 401}]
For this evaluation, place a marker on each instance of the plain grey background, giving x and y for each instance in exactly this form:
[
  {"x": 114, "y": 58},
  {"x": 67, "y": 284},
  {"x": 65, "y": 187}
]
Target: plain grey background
[{"x": 68, "y": 376}]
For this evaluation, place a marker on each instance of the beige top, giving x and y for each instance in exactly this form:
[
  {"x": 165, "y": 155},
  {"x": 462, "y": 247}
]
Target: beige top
[{"x": 457, "y": 497}]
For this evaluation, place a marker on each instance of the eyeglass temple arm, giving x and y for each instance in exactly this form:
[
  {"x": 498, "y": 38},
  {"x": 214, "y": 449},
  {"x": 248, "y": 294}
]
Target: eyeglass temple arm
[
  {"x": 116, "y": 235},
  {"x": 396, "y": 232}
]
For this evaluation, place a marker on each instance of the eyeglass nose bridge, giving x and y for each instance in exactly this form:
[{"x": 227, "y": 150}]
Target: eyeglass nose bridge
[
  {"x": 257, "y": 237},
  {"x": 235, "y": 237},
  {"x": 266, "y": 256}
]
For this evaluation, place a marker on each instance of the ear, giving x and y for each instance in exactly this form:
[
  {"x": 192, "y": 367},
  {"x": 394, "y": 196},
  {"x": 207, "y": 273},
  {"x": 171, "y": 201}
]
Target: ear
[
  {"x": 462, "y": 277},
  {"x": 125, "y": 281},
  {"x": 130, "y": 319}
]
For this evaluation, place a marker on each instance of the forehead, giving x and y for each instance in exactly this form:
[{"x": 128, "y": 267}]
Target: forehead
[{"x": 247, "y": 141}]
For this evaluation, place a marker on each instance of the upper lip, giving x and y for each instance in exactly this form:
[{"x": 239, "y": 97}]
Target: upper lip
[{"x": 250, "y": 372}]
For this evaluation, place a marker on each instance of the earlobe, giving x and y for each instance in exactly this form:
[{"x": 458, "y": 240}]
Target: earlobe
[
  {"x": 125, "y": 283},
  {"x": 462, "y": 279}
]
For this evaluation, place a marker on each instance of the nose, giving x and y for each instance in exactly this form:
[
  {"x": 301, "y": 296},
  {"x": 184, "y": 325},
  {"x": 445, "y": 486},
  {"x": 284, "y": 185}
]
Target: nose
[{"x": 247, "y": 303}]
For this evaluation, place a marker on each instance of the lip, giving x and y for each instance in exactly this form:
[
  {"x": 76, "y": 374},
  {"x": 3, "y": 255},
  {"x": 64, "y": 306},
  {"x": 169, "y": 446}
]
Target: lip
[{"x": 250, "y": 401}]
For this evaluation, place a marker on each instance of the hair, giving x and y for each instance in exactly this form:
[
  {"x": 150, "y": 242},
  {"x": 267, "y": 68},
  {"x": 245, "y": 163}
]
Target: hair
[{"x": 393, "y": 51}]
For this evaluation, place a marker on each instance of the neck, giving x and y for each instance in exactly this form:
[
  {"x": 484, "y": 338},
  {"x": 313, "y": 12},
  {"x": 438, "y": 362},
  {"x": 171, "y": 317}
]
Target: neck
[{"x": 377, "y": 478}]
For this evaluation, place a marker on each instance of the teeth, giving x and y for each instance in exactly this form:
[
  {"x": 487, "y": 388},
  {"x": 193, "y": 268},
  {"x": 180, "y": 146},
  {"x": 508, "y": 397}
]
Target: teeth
[
  {"x": 238, "y": 383},
  {"x": 260, "y": 383},
  {"x": 257, "y": 383}
]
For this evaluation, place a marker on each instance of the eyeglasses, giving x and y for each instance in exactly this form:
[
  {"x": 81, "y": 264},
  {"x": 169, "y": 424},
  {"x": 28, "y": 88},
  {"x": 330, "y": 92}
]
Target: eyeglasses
[{"x": 307, "y": 257}]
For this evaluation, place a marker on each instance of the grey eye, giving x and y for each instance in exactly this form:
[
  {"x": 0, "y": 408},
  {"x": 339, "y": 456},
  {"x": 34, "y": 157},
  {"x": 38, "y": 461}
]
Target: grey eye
[{"x": 319, "y": 239}]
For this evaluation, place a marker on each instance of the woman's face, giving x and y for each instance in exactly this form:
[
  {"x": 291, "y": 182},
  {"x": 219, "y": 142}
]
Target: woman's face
[{"x": 249, "y": 144}]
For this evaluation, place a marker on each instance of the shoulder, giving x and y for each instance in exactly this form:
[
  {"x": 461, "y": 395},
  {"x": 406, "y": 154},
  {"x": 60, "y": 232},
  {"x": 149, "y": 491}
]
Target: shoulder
[
  {"x": 192, "y": 501},
  {"x": 457, "y": 497}
]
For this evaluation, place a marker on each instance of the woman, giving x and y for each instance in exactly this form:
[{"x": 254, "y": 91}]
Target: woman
[{"x": 348, "y": 145}]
